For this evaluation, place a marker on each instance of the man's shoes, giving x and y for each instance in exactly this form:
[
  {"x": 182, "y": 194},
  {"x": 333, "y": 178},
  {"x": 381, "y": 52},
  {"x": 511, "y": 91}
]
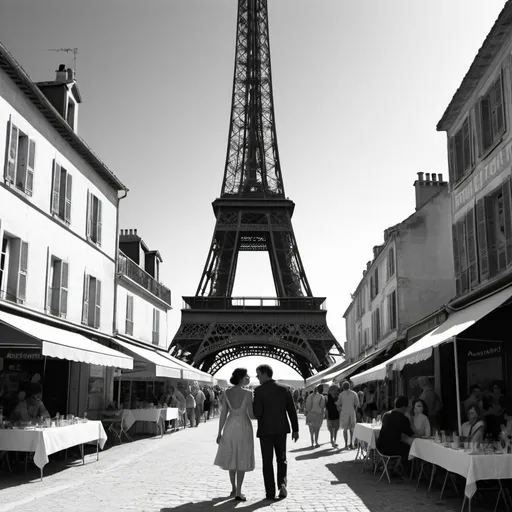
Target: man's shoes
[
  {"x": 270, "y": 497},
  {"x": 283, "y": 493}
]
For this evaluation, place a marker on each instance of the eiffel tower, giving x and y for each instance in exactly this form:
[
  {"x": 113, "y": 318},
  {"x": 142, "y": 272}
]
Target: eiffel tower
[{"x": 254, "y": 214}]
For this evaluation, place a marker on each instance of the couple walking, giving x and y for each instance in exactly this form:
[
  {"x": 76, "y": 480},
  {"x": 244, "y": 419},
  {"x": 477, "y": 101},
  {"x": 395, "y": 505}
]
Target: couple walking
[{"x": 272, "y": 405}]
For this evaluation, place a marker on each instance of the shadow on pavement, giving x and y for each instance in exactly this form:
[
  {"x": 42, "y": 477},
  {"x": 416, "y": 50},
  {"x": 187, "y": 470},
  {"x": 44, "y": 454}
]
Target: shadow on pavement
[
  {"x": 317, "y": 454},
  {"x": 219, "y": 504}
]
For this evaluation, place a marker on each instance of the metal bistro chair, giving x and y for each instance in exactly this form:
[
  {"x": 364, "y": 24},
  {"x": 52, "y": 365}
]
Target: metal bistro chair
[
  {"x": 118, "y": 427},
  {"x": 389, "y": 463}
]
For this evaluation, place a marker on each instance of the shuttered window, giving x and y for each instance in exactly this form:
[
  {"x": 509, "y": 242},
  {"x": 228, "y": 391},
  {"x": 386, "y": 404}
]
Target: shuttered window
[
  {"x": 391, "y": 263},
  {"x": 62, "y": 188},
  {"x": 376, "y": 326},
  {"x": 91, "y": 306},
  {"x": 392, "y": 310},
  {"x": 58, "y": 287},
  {"x": 156, "y": 326},
  {"x": 20, "y": 160},
  {"x": 23, "y": 270},
  {"x": 460, "y": 151},
  {"x": 129, "y": 315},
  {"x": 94, "y": 218},
  {"x": 492, "y": 114},
  {"x": 465, "y": 253}
]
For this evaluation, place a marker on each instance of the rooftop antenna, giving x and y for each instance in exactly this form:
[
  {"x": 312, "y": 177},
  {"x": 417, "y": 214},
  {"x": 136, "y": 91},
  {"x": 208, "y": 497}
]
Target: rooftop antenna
[{"x": 67, "y": 50}]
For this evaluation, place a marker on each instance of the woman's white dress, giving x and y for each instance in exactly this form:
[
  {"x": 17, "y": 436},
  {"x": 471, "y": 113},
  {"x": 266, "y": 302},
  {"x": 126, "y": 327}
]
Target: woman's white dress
[{"x": 236, "y": 448}]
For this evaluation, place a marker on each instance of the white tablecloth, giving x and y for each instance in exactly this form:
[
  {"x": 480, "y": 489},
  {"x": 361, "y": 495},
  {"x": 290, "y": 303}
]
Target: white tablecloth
[
  {"x": 153, "y": 415},
  {"x": 170, "y": 413},
  {"x": 368, "y": 433},
  {"x": 471, "y": 467},
  {"x": 45, "y": 441}
]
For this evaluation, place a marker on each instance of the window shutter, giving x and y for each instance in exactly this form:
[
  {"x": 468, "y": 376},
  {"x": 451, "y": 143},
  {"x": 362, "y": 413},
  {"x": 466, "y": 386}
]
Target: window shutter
[
  {"x": 97, "y": 311},
  {"x": 498, "y": 109},
  {"x": 67, "y": 207},
  {"x": 481, "y": 232},
  {"x": 451, "y": 159},
  {"x": 508, "y": 220},
  {"x": 477, "y": 135},
  {"x": 29, "y": 182},
  {"x": 98, "y": 224},
  {"x": 492, "y": 241},
  {"x": 64, "y": 289},
  {"x": 463, "y": 255},
  {"x": 23, "y": 268},
  {"x": 88, "y": 229},
  {"x": 56, "y": 286},
  {"x": 12, "y": 152},
  {"x": 485, "y": 126},
  {"x": 56, "y": 188},
  {"x": 456, "y": 260},
  {"x": 85, "y": 303},
  {"x": 471, "y": 241}
]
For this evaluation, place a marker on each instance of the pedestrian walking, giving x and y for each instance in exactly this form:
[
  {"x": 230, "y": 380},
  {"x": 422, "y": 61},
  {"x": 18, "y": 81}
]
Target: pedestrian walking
[{"x": 347, "y": 404}]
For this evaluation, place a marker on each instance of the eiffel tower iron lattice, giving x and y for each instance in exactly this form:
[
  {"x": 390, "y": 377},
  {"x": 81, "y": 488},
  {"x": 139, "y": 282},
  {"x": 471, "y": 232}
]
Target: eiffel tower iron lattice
[{"x": 253, "y": 214}]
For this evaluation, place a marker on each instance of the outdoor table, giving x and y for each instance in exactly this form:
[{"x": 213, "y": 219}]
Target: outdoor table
[
  {"x": 472, "y": 466},
  {"x": 152, "y": 415},
  {"x": 367, "y": 433},
  {"x": 170, "y": 413},
  {"x": 45, "y": 441}
]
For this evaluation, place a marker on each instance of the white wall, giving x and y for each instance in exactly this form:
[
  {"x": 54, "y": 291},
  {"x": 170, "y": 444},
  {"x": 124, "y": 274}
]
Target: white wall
[
  {"x": 142, "y": 316},
  {"x": 29, "y": 217}
]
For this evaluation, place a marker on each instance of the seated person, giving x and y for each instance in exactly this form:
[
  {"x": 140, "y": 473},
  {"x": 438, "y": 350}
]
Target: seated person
[
  {"x": 396, "y": 432},
  {"x": 475, "y": 397},
  {"x": 473, "y": 429},
  {"x": 420, "y": 423},
  {"x": 31, "y": 409}
]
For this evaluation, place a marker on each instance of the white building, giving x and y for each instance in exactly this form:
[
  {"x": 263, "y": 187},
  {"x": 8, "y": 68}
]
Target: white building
[{"x": 58, "y": 234}]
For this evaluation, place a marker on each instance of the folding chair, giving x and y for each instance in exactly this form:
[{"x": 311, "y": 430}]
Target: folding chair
[
  {"x": 389, "y": 463},
  {"x": 118, "y": 427}
]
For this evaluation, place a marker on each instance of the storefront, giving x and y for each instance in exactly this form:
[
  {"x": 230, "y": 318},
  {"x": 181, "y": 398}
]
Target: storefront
[{"x": 71, "y": 368}]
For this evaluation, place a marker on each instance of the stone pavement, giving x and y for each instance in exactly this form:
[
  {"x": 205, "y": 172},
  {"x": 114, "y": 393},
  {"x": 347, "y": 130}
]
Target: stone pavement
[{"x": 175, "y": 473}]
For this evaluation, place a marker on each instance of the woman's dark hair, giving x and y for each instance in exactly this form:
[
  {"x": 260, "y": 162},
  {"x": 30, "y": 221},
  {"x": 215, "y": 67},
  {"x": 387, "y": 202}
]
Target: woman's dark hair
[
  {"x": 320, "y": 388},
  {"x": 422, "y": 402},
  {"x": 476, "y": 409},
  {"x": 238, "y": 376},
  {"x": 473, "y": 387}
]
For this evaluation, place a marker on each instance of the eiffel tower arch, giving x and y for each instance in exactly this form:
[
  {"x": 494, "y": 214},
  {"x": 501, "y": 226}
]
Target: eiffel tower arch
[{"x": 254, "y": 214}]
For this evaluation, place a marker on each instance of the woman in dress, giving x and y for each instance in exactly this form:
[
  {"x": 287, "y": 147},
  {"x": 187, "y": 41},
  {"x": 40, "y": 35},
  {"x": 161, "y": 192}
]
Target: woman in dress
[
  {"x": 315, "y": 405},
  {"x": 420, "y": 423},
  {"x": 236, "y": 440},
  {"x": 473, "y": 429},
  {"x": 333, "y": 415}
]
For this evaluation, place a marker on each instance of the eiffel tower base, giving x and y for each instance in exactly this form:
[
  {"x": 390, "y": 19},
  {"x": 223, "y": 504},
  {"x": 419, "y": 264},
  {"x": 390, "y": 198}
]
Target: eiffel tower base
[{"x": 217, "y": 330}]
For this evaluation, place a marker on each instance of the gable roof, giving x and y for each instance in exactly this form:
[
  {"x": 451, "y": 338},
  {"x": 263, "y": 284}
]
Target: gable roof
[
  {"x": 499, "y": 33},
  {"x": 20, "y": 77}
]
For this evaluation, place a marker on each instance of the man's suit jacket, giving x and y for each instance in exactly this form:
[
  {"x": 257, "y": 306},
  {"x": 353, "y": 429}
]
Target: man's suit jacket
[{"x": 273, "y": 405}]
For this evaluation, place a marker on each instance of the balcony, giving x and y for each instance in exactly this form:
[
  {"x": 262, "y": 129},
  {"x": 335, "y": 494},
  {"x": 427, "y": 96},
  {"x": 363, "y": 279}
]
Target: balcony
[
  {"x": 256, "y": 303},
  {"x": 126, "y": 267}
]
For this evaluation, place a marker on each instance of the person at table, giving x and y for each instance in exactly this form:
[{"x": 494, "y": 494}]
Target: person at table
[
  {"x": 473, "y": 429},
  {"x": 31, "y": 409},
  {"x": 419, "y": 420},
  {"x": 396, "y": 433},
  {"x": 432, "y": 399},
  {"x": 347, "y": 403},
  {"x": 494, "y": 407},
  {"x": 474, "y": 398}
]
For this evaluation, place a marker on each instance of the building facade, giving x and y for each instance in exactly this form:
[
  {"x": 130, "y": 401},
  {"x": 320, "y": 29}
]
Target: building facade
[
  {"x": 411, "y": 275},
  {"x": 58, "y": 225}
]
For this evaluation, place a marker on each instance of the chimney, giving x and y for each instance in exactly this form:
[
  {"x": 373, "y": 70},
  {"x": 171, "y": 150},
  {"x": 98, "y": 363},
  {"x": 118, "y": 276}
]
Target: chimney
[
  {"x": 135, "y": 232},
  {"x": 428, "y": 188},
  {"x": 61, "y": 74},
  {"x": 70, "y": 74}
]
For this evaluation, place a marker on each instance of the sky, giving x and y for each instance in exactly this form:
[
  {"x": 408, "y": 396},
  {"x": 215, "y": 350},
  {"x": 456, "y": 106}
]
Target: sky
[{"x": 358, "y": 90}]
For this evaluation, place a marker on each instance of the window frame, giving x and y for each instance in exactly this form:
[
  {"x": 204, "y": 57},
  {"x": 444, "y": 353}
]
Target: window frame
[
  {"x": 128, "y": 326},
  {"x": 58, "y": 284},
  {"x": 488, "y": 115},
  {"x": 94, "y": 218},
  {"x": 155, "y": 338}
]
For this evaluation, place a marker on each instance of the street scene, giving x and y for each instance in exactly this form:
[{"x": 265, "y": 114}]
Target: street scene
[{"x": 341, "y": 344}]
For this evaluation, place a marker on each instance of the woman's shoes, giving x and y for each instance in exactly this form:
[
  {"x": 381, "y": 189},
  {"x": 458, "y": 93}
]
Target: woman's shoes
[
  {"x": 232, "y": 494},
  {"x": 240, "y": 498},
  {"x": 317, "y": 445}
]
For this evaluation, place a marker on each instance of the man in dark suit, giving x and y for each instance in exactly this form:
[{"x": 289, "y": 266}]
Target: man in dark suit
[{"x": 273, "y": 405}]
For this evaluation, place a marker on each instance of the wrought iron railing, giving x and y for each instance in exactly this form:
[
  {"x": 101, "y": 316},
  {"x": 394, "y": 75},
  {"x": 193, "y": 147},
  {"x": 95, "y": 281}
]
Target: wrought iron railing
[
  {"x": 130, "y": 269},
  {"x": 255, "y": 303}
]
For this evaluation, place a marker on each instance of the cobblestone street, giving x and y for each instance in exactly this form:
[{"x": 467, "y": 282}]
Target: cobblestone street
[{"x": 176, "y": 474}]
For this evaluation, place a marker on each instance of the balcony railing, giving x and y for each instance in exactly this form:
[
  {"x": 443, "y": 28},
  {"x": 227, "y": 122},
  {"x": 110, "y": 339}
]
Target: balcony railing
[
  {"x": 255, "y": 303},
  {"x": 131, "y": 270}
]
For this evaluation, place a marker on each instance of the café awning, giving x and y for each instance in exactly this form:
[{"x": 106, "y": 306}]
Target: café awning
[
  {"x": 456, "y": 323},
  {"x": 191, "y": 373},
  {"x": 325, "y": 375},
  {"x": 161, "y": 365},
  {"x": 18, "y": 333},
  {"x": 347, "y": 372}
]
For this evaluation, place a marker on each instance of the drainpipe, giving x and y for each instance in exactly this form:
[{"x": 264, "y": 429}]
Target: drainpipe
[{"x": 114, "y": 320}]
